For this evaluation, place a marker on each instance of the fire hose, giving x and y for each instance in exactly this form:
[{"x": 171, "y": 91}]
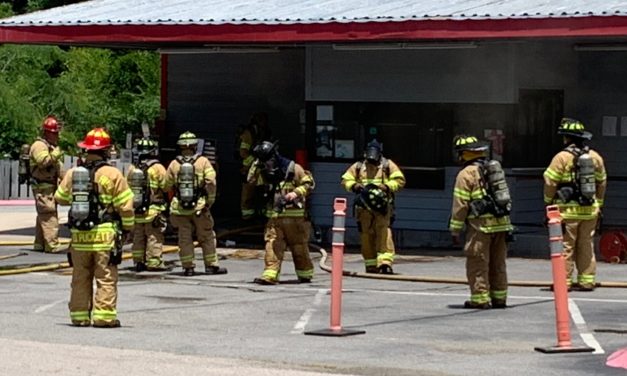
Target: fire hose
[{"x": 47, "y": 267}]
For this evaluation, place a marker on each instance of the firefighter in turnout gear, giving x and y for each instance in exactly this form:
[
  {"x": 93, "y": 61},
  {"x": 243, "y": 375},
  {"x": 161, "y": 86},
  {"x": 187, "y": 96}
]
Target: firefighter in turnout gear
[
  {"x": 287, "y": 185},
  {"x": 256, "y": 131},
  {"x": 374, "y": 180},
  {"x": 193, "y": 179},
  {"x": 481, "y": 201},
  {"x": 101, "y": 212},
  {"x": 147, "y": 181},
  {"x": 576, "y": 182},
  {"x": 45, "y": 162}
]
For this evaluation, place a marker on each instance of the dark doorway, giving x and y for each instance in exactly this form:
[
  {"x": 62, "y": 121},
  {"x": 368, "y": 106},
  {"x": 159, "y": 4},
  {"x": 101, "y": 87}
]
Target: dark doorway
[{"x": 533, "y": 140}]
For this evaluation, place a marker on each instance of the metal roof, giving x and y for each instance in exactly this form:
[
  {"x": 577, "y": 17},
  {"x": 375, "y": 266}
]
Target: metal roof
[{"x": 277, "y": 12}]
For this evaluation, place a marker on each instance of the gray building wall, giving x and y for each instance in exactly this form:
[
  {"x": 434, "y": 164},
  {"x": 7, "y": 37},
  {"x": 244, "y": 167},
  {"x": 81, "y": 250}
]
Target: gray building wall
[{"x": 211, "y": 94}]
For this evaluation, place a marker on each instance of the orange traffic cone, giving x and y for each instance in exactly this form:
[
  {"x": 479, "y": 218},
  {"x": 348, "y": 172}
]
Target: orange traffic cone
[{"x": 560, "y": 290}]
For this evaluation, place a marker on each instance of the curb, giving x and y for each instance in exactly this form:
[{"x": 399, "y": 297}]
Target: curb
[{"x": 17, "y": 202}]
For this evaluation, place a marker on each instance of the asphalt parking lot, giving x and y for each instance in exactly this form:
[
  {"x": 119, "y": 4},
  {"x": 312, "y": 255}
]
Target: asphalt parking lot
[{"x": 226, "y": 325}]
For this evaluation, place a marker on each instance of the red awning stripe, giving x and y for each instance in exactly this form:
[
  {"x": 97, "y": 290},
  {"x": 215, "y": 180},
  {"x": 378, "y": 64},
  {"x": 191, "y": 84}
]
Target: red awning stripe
[{"x": 323, "y": 32}]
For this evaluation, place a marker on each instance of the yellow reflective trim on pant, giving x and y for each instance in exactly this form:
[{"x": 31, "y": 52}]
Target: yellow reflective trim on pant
[
  {"x": 600, "y": 203},
  {"x": 480, "y": 298},
  {"x": 553, "y": 175},
  {"x": 305, "y": 273},
  {"x": 370, "y": 262},
  {"x": 105, "y": 199},
  {"x": 128, "y": 221},
  {"x": 246, "y": 212},
  {"x": 574, "y": 211},
  {"x": 42, "y": 186},
  {"x": 586, "y": 279},
  {"x": 79, "y": 315},
  {"x": 385, "y": 257},
  {"x": 270, "y": 274},
  {"x": 187, "y": 258},
  {"x": 138, "y": 254},
  {"x": 104, "y": 315},
  {"x": 548, "y": 200},
  {"x": 496, "y": 228},
  {"x": 498, "y": 294},
  {"x": 211, "y": 260},
  {"x": 123, "y": 197},
  {"x": 154, "y": 262},
  {"x": 290, "y": 213},
  {"x": 460, "y": 193},
  {"x": 456, "y": 225},
  {"x": 244, "y": 145}
]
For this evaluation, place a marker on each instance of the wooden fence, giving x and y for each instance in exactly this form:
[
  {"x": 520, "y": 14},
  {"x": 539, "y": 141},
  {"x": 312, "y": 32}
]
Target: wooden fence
[{"x": 10, "y": 189}]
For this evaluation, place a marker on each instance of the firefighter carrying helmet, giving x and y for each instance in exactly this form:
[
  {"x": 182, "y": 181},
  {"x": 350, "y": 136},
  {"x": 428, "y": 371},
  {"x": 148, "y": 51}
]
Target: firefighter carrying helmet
[
  {"x": 573, "y": 128},
  {"x": 187, "y": 139},
  {"x": 372, "y": 153},
  {"x": 96, "y": 139},
  {"x": 51, "y": 124},
  {"x": 374, "y": 199}
]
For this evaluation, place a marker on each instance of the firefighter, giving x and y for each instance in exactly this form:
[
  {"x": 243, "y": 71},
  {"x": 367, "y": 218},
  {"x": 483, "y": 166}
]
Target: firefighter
[
  {"x": 374, "y": 180},
  {"x": 193, "y": 180},
  {"x": 287, "y": 185},
  {"x": 256, "y": 131},
  {"x": 147, "y": 181},
  {"x": 45, "y": 171},
  {"x": 101, "y": 212},
  {"x": 481, "y": 201},
  {"x": 576, "y": 181}
]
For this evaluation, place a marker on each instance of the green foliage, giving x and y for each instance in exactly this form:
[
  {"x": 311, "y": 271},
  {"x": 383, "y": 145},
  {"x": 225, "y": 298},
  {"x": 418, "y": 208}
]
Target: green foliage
[{"x": 84, "y": 87}]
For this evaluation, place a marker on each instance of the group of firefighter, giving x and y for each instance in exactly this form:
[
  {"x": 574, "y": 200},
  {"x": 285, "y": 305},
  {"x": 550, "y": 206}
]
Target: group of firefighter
[{"x": 106, "y": 208}]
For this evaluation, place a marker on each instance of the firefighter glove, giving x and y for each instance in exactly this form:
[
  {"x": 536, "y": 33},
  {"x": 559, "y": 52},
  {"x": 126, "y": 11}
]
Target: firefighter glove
[{"x": 358, "y": 188}]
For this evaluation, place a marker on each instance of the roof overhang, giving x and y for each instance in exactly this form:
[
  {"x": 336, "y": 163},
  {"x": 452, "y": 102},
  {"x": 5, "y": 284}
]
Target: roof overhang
[{"x": 159, "y": 35}]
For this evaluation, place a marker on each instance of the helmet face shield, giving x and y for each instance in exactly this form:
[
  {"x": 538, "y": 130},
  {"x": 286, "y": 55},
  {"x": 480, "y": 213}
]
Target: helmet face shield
[{"x": 265, "y": 151}]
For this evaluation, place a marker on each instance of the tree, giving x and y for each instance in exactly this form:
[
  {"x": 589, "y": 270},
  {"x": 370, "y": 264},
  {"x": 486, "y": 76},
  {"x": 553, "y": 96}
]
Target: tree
[{"x": 84, "y": 87}]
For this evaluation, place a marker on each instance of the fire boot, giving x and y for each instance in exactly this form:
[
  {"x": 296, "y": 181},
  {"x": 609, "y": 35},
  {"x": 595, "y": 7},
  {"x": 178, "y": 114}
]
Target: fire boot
[
  {"x": 263, "y": 281},
  {"x": 473, "y": 305},
  {"x": 112, "y": 324},
  {"x": 304, "y": 280},
  {"x": 386, "y": 269},
  {"x": 499, "y": 304},
  {"x": 215, "y": 270},
  {"x": 140, "y": 267},
  {"x": 188, "y": 272},
  {"x": 372, "y": 269}
]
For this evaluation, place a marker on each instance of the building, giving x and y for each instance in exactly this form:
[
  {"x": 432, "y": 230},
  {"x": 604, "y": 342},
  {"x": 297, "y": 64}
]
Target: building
[{"x": 332, "y": 75}]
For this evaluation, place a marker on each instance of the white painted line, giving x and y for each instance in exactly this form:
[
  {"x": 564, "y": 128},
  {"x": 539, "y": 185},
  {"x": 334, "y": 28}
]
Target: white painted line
[
  {"x": 48, "y": 306},
  {"x": 299, "y": 328},
  {"x": 580, "y": 323}
]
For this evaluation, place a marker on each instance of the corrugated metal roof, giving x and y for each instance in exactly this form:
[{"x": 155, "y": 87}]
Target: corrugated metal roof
[{"x": 216, "y": 12}]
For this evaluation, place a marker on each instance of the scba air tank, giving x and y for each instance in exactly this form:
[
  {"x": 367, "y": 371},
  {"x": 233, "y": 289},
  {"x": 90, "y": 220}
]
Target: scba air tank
[
  {"x": 80, "y": 195},
  {"x": 498, "y": 185},
  {"x": 137, "y": 183},
  {"x": 587, "y": 184},
  {"x": 186, "y": 189}
]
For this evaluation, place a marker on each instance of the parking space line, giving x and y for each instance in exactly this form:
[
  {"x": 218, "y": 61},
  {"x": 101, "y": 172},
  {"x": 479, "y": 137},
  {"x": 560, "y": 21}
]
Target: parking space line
[
  {"x": 580, "y": 323},
  {"x": 299, "y": 328},
  {"x": 48, "y": 306}
]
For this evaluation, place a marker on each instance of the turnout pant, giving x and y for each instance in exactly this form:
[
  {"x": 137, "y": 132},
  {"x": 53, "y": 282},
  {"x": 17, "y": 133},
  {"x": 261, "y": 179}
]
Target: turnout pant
[
  {"x": 247, "y": 202},
  {"x": 377, "y": 245},
  {"x": 485, "y": 265},
  {"x": 147, "y": 244},
  {"x": 579, "y": 251},
  {"x": 287, "y": 233},
  {"x": 47, "y": 223},
  {"x": 84, "y": 305},
  {"x": 204, "y": 233}
]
